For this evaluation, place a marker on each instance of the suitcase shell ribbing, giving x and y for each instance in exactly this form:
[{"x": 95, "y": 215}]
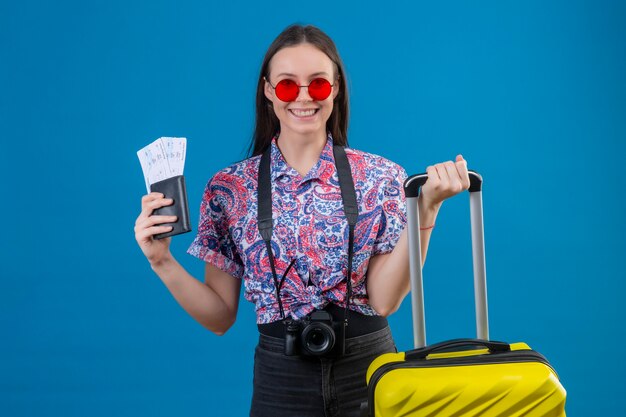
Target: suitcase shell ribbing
[
  {"x": 465, "y": 383},
  {"x": 462, "y": 377}
]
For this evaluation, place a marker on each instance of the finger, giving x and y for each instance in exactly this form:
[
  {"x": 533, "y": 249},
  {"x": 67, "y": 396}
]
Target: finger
[
  {"x": 433, "y": 178},
  {"x": 454, "y": 178},
  {"x": 146, "y": 234},
  {"x": 145, "y": 201},
  {"x": 151, "y": 205},
  {"x": 432, "y": 173},
  {"x": 154, "y": 220},
  {"x": 157, "y": 219},
  {"x": 461, "y": 167},
  {"x": 160, "y": 202},
  {"x": 443, "y": 175},
  {"x": 153, "y": 198},
  {"x": 149, "y": 197}
]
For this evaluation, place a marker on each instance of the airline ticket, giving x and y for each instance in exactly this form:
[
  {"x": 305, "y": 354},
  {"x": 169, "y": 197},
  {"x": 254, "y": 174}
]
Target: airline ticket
[{"x": 162, "y": 159}]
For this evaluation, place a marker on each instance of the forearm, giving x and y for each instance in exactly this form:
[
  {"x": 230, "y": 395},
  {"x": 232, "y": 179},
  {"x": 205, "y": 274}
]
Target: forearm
[
  {"x": 195, "y": 297},
  {"x": 427, "y": 220},
  {"x": 388, "y": 279}
]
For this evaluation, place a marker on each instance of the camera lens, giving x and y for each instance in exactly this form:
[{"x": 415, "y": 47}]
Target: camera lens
[{"x": 318, "y": 338}]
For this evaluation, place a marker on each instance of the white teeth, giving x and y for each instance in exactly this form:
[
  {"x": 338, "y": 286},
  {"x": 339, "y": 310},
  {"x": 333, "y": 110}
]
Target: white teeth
[{"x": 303, "y": 113}]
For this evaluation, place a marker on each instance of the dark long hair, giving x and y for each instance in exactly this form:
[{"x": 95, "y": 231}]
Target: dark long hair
[{"x": 267, "y": 124}]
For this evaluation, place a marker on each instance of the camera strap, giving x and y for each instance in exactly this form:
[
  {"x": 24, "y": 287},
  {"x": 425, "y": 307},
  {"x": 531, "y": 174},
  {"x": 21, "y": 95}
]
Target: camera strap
[{"x": 266, "y": 224}]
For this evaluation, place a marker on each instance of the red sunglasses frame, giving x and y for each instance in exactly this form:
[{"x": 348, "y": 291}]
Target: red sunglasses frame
[{"x": 293, "y": 95}]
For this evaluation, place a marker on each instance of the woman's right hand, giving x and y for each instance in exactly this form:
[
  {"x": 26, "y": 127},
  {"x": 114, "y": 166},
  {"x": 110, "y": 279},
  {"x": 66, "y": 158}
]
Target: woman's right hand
[{"x": 154, "y": 249}]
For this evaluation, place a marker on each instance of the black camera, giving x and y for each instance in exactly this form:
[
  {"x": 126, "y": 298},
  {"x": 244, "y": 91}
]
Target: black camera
[{"x": 315, "y": 335}]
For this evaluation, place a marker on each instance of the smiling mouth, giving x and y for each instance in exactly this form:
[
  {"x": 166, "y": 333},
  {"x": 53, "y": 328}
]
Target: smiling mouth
[{"x": 303, "y": 113}]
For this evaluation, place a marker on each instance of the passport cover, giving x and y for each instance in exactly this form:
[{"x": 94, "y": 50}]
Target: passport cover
[{"x": 175, "y": 189}]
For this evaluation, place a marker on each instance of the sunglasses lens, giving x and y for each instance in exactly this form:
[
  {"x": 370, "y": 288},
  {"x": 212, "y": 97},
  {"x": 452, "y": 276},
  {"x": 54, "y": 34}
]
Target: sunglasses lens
[
  {"x": 287, "y": 90},
  {"x": 319, "y": 89}
]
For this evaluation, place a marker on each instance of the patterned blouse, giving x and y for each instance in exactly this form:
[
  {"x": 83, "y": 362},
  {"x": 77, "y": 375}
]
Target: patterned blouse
[{"x": 309, "y": 227}]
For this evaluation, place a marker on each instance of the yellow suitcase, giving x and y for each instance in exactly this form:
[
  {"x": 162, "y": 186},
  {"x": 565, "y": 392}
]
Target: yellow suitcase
[
  {"x": 461, "y": 377},
  {"x": 478, "y": 382}
]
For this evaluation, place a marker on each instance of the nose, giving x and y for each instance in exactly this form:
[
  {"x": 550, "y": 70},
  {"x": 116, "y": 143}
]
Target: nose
[{"x": 303, "y": 96}]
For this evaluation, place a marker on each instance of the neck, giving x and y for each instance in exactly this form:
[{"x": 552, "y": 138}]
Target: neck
[{"x": 301, "y": 151}]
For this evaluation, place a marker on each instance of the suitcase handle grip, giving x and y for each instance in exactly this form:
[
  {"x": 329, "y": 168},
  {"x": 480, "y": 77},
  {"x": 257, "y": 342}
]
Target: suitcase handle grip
[
  {"x": 414, "y": 183},
  {"x": 422, "y": 353}
]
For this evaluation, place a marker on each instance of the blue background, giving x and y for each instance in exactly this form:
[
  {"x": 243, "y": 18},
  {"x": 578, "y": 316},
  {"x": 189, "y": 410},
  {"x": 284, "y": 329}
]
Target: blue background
[{"x": 532, "y": 93}]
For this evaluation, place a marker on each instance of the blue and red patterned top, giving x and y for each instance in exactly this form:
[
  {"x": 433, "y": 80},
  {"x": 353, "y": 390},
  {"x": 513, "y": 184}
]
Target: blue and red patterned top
[{"x": 309, "y": 226}]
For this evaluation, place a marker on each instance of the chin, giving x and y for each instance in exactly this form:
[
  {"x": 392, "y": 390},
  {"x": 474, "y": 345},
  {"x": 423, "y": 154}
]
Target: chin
[{"x": 307, "y": 130}]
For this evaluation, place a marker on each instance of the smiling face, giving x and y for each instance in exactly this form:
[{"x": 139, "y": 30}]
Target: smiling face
[{"x": 302, "y": 64}]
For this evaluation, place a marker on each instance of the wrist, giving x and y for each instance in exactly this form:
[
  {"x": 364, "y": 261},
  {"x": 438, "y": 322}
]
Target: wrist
[
  {"x": 428, "y": 212},
  {"x": 162, "y": 262}
]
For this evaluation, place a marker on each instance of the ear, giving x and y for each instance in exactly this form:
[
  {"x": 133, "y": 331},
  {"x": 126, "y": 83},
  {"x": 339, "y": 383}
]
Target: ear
[
  {"x": 267, "y": 89},
  {"x": 336, "y": 87}
]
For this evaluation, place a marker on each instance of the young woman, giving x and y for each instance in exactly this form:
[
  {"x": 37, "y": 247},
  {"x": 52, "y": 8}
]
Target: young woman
[{"x": 301, "y": 113}]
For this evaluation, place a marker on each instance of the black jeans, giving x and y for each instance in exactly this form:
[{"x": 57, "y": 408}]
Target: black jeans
[{"x": 291, "y": 386}]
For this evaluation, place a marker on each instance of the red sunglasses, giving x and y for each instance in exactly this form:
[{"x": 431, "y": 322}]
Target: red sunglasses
[{"x": 288, "y": 90}]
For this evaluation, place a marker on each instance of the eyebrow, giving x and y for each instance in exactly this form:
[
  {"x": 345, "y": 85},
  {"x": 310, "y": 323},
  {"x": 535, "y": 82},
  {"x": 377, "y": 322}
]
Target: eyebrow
[{"x": 288, "y": 74}]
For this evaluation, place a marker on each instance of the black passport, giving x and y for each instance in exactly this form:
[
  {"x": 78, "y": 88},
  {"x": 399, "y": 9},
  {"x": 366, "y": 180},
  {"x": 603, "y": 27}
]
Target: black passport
[{"x": 175, "y": 189}]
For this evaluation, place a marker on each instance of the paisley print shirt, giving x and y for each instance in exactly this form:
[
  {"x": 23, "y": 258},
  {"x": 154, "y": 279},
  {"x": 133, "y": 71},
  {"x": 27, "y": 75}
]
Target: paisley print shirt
[{"x": 309, "y": 227}]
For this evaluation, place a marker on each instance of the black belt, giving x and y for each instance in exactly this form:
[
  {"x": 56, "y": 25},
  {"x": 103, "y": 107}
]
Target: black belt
[{"x": 358, "y": 324}]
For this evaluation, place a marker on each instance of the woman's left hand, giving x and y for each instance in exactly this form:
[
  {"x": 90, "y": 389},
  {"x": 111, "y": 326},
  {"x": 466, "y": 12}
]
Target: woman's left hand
[{"x": 445, "y": 180}]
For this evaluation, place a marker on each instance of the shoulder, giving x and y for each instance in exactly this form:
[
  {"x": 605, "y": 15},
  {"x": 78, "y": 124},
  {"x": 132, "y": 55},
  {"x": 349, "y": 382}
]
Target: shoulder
[
  {"x": 242, "y": 171},
  {"x": 236, "y": 180},
  {"x": 371, "y": 166}
]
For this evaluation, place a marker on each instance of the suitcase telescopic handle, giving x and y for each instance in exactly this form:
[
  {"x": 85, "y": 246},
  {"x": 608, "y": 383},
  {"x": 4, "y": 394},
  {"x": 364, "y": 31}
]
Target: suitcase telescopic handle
[{"x": 412, "y": 187}]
